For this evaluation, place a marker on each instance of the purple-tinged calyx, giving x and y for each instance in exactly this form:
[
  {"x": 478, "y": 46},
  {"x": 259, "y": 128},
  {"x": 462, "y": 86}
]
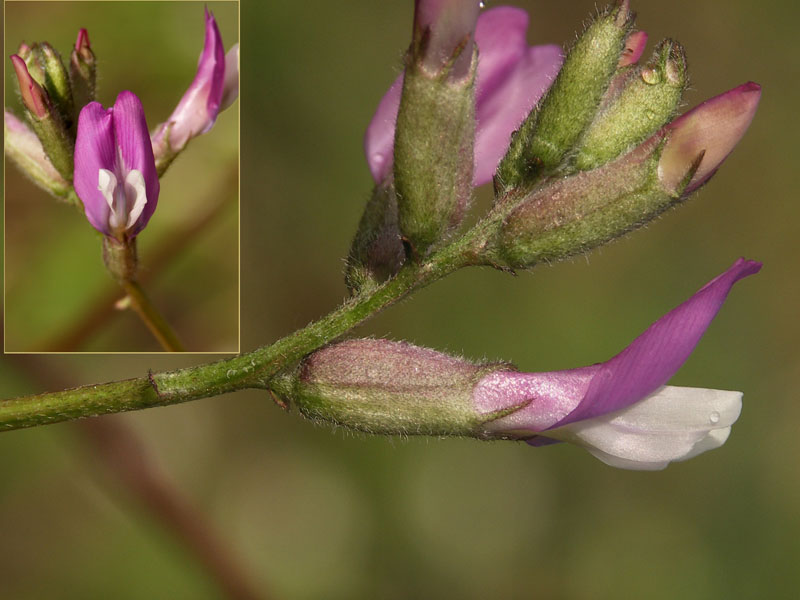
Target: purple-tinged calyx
[
  {"x": 571, "y": 215},
  {"x": 708, "y": 133},
  {"x": 381, "y": 386},
  {"x": 620, "y": 409},
  {"x": 115, "y": 172},
  {"x": 215, "y": 82},
  {"x": 511, "y": 77}
]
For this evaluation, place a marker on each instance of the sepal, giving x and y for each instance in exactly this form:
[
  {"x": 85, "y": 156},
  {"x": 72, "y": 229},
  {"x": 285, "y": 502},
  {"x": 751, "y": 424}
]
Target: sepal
[{"x": 551, "y": 131}]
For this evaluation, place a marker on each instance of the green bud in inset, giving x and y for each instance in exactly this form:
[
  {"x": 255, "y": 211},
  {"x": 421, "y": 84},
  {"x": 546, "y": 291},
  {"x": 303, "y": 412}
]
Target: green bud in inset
[
  {"x": 55, "y": 80},
  {"x": 82, "y": 71},
  {"x": 379, "y": 386},
  {"x": 554, "y": 127},
  {"x": 45, "y": 120},
  {"x": 377, "y": 250},
  {"x": 648, "y": 98},
  {"x": 434, "y": 137}
]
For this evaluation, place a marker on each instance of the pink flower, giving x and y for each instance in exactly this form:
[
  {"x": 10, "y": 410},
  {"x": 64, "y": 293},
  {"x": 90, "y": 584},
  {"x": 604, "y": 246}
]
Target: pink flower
[
  {"x": 215, "y": 86},
  {"x": 620, "y": 410},
  {"x": 511, "y": 78},
  {"x": 115, "y": 171}
]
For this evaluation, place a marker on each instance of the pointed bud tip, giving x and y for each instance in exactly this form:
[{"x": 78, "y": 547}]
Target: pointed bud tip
[
  {"x": 82, "y": 43},
  {"x": 714, "y": 127},
  {"x": 32, "y": 92}
]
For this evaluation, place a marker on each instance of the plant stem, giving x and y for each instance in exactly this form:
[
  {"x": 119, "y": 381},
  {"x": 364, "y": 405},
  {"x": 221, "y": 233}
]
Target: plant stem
[
  {"x": 250, "y": 370},
  {"x": 156, "y": 323}
]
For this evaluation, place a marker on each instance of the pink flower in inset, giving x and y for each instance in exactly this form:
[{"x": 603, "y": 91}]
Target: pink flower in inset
[
  {"x": 115, "y": 172},
  {"x": 215, "y": 87}
]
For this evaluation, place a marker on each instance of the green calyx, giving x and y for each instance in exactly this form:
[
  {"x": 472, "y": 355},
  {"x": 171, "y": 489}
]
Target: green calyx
[
  {"x": 54, "y": 79},
  {"x": 551, "y": 131},
  {"x": 83, "y": 77},
  {"x": 385, "y": 387},
  {"x": 648, "y": 98},
  {"x": 572, "y": 215},
  {"x": 376, "y": 252},
  {"x": 433, "y": 154}
]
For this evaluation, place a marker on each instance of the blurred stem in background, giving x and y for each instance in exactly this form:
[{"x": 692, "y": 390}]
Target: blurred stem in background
[
  {"x": 103, "y": 308},
  {"x": 119, "y": 450}
]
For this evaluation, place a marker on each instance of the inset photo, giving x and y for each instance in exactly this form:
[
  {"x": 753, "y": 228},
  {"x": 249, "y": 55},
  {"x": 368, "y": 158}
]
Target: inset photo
[{"x": 121, "y": 188}]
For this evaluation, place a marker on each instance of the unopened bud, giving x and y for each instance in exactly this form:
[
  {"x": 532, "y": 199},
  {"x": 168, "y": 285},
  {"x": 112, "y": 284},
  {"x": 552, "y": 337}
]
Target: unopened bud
[
  {"x": 377, "y": 250},
  {"x": 708, "y": 132},
  {"x": 379, "y": 386},
  {"x": 648, "y": 99},
  {"x": 55, "y": 81},
  {"x": 33, "y": 95},
  {"x": 551, "y": 131},
  {"x": 45, "y": 119},
  {"x": 577, "y": 213},
  {"x": 434, "y": 138},
  {"x": 25, "y": 149},
  {"x": 83, "y": 71}
]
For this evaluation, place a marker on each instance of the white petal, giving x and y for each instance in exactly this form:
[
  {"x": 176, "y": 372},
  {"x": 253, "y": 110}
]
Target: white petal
[
  {"x": 107, "y": 184},
  {"x": 135, "y": 189},
  {"x": 671, "y": 424},
  {"x": 230, "y": 85}
]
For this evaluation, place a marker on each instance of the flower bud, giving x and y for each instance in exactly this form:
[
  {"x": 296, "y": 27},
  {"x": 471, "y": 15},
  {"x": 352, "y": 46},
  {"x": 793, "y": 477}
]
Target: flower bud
[
  {"x": 45, "y": 120},
  {"x": 648, "y": 99},
  {"x": 377, "y": 250},
  {"x": 379, "y": 386},
  {"x": 33, "y": 95},
  {"x": 575, "y": 214},
  {"x": 214, "y": 87},
  {"x": 433, "y": 144},
  {"x": 709, "y": 131},
  {"x": 25, "y": 149},
  {"x": 551, "y": 131},
  {"x": 83, "y": 71},
  {"x": 55, "y": 80}
]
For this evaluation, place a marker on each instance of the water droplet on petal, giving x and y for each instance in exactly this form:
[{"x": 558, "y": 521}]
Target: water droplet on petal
[
  {"x": 481, "y": 4},
  {"x": 714, "y": 418}
]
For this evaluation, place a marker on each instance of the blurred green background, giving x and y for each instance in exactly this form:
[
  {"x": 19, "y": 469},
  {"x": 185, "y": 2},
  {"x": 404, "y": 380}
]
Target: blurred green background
[
  {"x": 319, "y": 514},
  {"x": 55, "y": 278}
]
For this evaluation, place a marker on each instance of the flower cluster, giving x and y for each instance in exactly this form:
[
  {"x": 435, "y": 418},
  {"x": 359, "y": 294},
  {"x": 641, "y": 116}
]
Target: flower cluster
[
  {"x": 582, "y": 147},
  {"x": 109, "y": 153}
]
